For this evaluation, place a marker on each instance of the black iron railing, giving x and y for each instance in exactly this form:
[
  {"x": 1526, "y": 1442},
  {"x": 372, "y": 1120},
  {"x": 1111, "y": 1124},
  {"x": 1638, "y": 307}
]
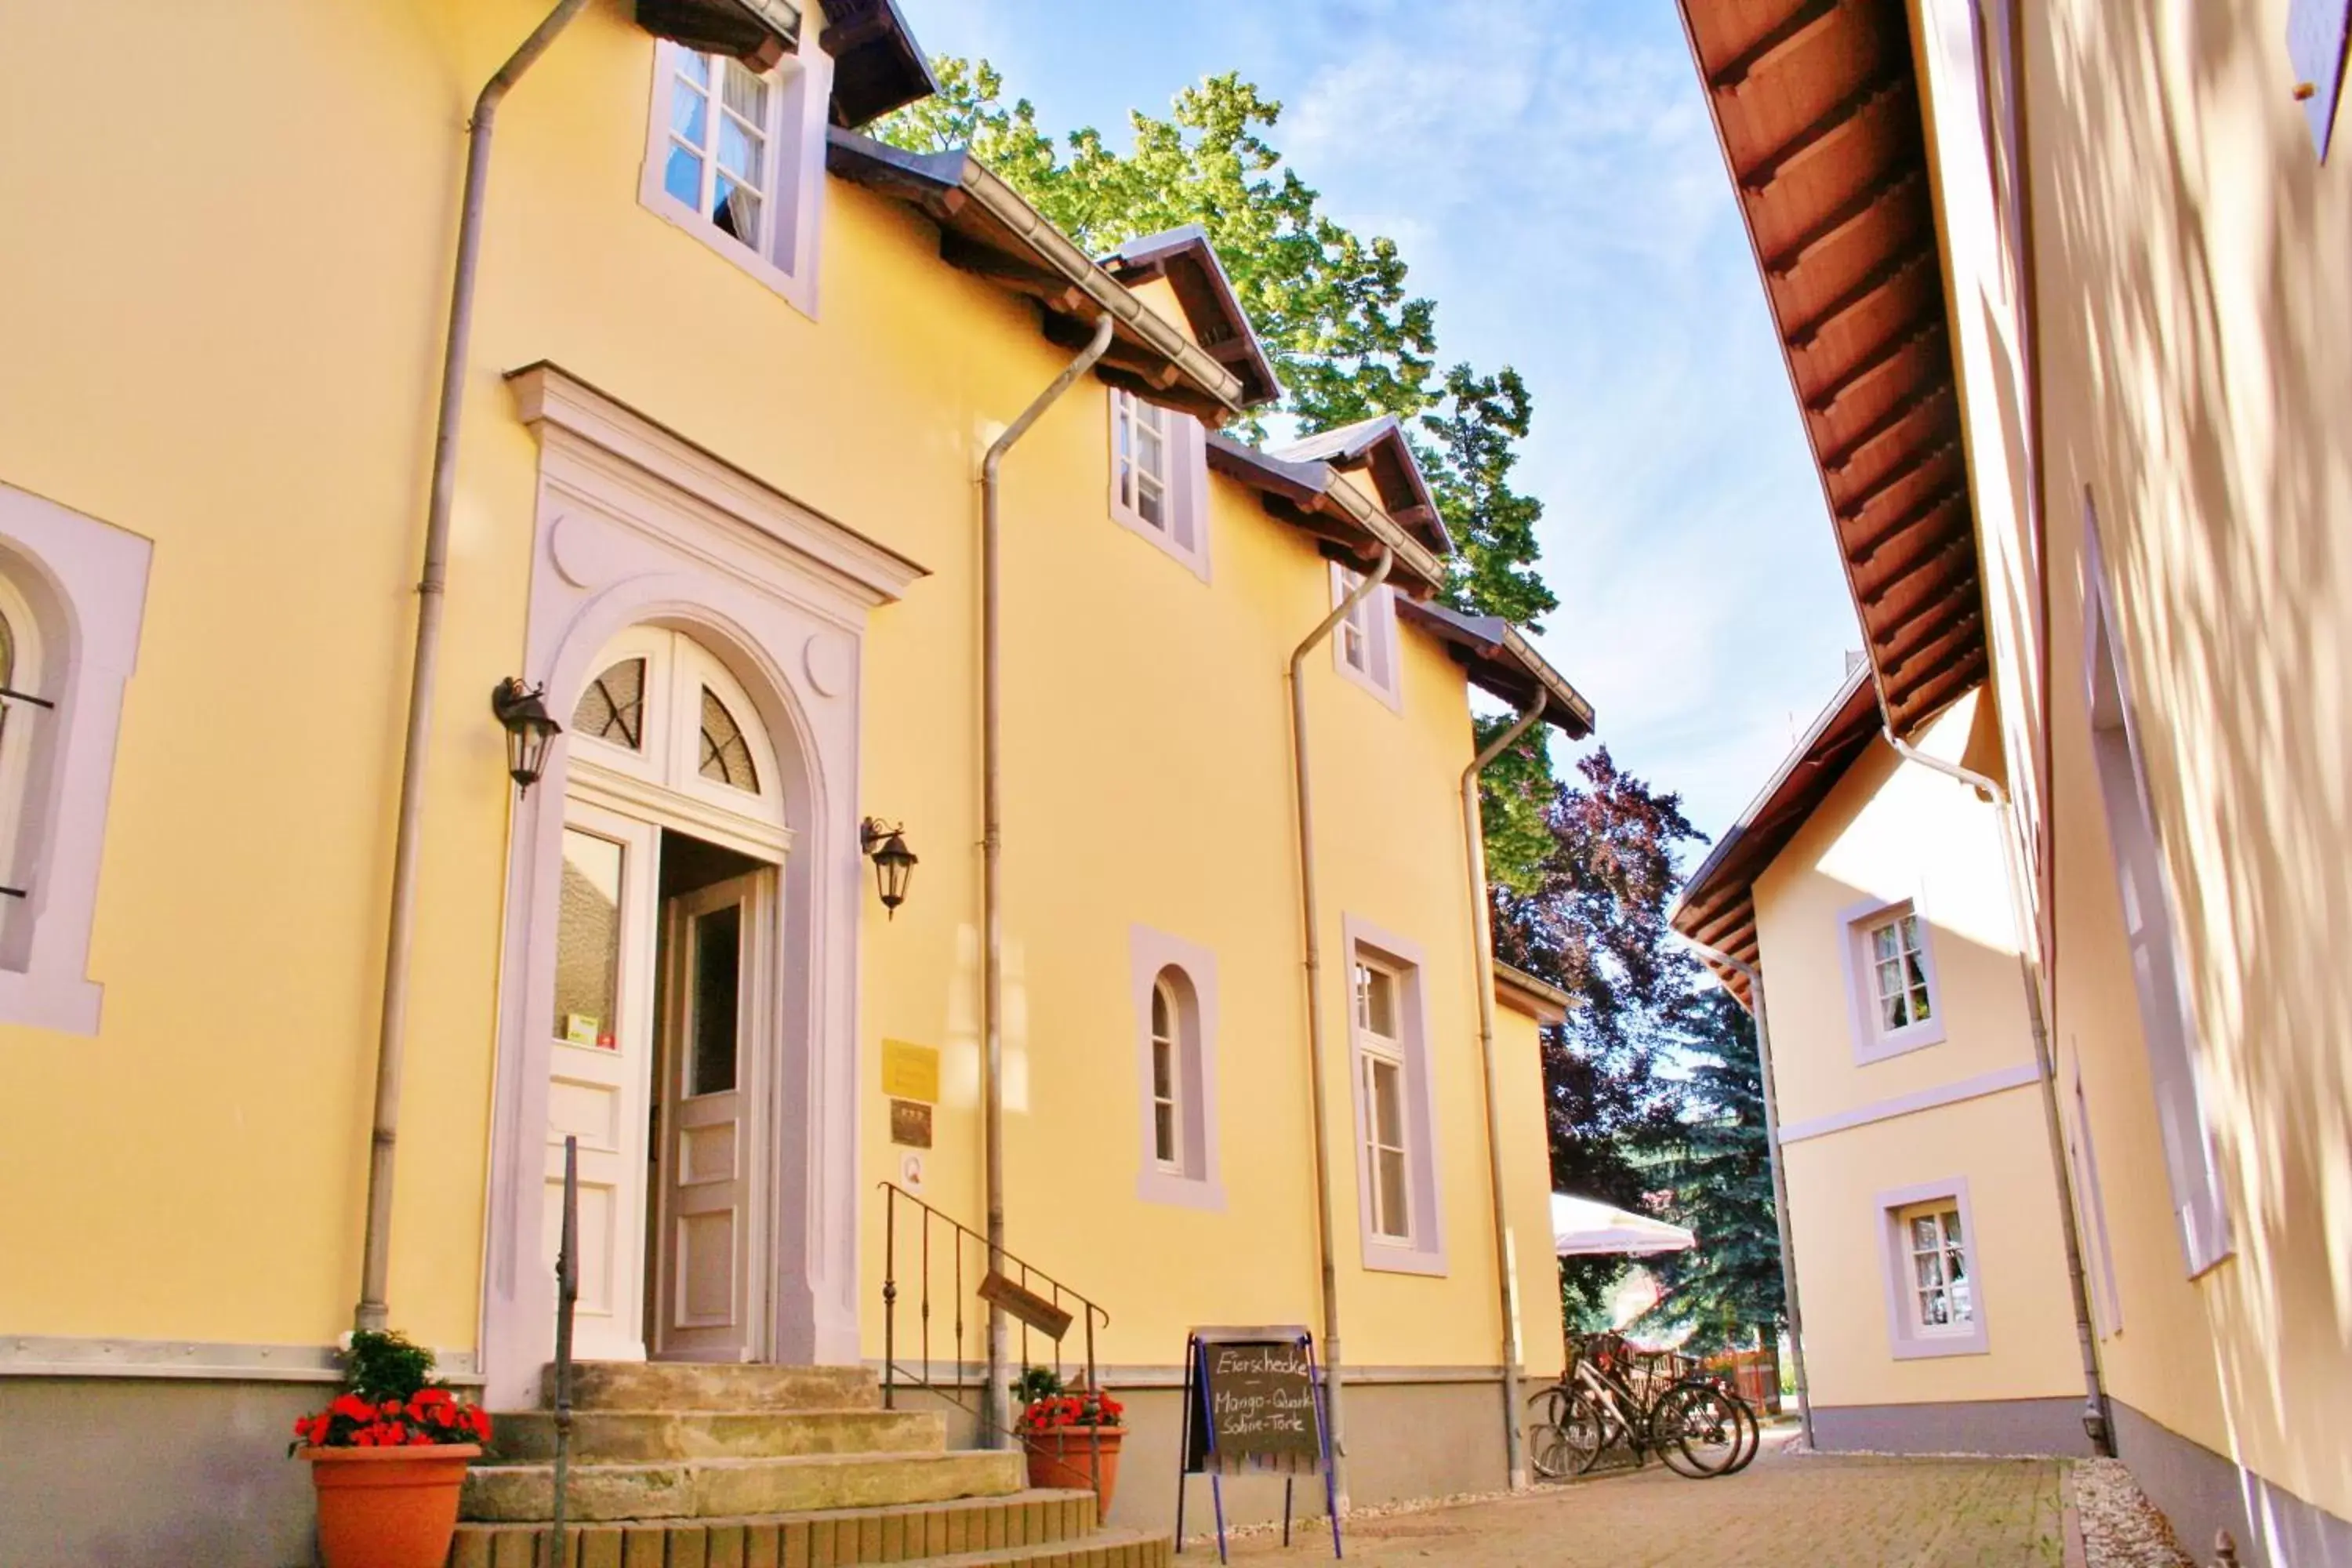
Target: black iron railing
[
  {"x": 954, "y": 1275},
  {"x": 567, "y": 1297}
]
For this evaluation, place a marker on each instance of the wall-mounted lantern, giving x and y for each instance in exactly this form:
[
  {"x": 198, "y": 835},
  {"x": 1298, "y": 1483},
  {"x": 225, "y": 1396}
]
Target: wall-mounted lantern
[
  {"x": 524, "y": 711},
  {"x": 894, "y": 863}
]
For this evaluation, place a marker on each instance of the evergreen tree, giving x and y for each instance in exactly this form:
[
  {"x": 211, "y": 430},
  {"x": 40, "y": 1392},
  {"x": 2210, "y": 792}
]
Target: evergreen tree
[{"x": 1727, "y": 1287}]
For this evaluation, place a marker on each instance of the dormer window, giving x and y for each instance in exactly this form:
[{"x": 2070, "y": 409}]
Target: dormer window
[
  {"x": 734, "y": 157},
  {"x": 1158, "y": 478}
]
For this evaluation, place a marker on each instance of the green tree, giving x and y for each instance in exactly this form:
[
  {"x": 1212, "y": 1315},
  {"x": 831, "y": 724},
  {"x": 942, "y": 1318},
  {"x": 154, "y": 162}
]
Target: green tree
[
  {"x": 1347, "y": 339},
  {"x": 1593, "y": 923},
  {"x": 1719, "y": 1178}
]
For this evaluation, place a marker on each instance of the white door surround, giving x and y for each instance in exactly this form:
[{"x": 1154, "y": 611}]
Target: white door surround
[{"x": 634, "y": 527}]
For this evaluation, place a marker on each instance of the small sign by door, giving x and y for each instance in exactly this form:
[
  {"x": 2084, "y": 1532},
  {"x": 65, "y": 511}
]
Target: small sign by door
[
  {"x": 910, "y": 1072},
  {"x": 910, "y": 1123}
]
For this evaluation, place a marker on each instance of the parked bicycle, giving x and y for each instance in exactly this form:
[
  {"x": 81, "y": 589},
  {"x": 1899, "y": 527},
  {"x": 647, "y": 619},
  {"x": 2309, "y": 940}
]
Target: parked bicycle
[{"x": 1614, "y": 1395}]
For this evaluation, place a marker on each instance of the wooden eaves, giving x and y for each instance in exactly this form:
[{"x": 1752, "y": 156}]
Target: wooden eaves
[
  {"x": 1523, "y": 992},
  {"x": 1377, "y": 448},
  {"x": 1502, "y": 663},
  {"x": 1818, "y": 109},
  {"x": 1312, "y": 496},
  {"x": 989, "y": 230},
  {"x": 1188, "y": 262},
  {"x": 1718, "y": 903},
  {"x": 877, "y": 66}
]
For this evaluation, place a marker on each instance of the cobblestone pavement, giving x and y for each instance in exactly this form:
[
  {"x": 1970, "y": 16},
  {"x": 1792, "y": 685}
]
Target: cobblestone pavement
[{"x": 1784, "y": 1512}]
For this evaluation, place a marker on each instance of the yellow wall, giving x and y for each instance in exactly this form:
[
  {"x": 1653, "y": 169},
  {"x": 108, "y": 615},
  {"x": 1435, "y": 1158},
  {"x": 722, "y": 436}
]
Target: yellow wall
[
  {"x": 2188, "y": 270},
  {"x": 254, "y": 396},
  {"x": 1890, "y": 830}
]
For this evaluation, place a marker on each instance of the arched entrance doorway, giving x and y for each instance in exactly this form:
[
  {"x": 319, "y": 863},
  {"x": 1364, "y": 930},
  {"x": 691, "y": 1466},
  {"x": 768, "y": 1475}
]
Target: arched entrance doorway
[{"x": 664, "y": 1046}]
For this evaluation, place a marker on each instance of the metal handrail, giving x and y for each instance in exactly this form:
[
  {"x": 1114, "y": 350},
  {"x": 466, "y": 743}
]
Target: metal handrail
[
  {"x": 953, "y": 1387},
  {"x": 567, "y": 1298}
]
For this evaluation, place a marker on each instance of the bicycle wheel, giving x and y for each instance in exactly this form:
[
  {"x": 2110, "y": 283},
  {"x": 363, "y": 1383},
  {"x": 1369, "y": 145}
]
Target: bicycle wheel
[
  {"x": 1696, "y": 1430},
  {"x": 1752, "y": 1432},
  {"x": 1584, "y": 1432}
]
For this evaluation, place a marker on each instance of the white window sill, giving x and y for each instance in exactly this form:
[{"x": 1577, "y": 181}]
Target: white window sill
[
  {"x": 1926, "y": 1345},
  {"x": 1901, "y": 1042},
  {"x": 1402, "y": 1257},
  {"x": 798, "y": 289}
]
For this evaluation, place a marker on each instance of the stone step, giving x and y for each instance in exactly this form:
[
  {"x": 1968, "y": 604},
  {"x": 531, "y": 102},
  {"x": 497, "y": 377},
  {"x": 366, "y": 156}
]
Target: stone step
[
  {"x": 714, "y": 1385},
  {"x": 630, "y": 1436},
  {"x": 1032, "y": 1526},
  {"x": 709, "y": 1488}
]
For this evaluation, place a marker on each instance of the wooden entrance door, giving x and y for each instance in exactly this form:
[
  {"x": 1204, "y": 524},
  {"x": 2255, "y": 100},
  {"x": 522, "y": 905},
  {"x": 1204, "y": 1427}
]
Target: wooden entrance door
[
  {"x": 705, "y": 1295},
  {"x": 600, "y": 1068}
]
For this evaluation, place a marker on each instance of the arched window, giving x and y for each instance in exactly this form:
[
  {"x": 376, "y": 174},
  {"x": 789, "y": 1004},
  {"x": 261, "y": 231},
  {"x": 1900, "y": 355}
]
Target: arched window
[
  {"x": 72, "y": 594},
  {"x": 662, "y": 711},
  {"x": 1175, "y": 1023}
]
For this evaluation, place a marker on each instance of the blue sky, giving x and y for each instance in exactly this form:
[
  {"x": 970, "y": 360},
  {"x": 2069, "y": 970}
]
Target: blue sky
[{"x": 1549, "y": 170}]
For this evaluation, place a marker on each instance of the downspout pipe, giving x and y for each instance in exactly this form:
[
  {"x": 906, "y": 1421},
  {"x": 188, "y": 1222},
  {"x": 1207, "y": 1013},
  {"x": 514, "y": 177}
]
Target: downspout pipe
[
  {"x": 1311, "y": 916},
  {"x": 1779, "y": 1173},
  {"x": 392, "y": 1031},
  {"x": 995, "y": 1409},
  {"x": 2097, "y": 1424},
  {"x": 1473, "y": 838}
]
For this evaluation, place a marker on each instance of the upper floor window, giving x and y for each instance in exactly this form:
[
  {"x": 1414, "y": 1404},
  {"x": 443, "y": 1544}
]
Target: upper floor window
[
  {"x": 1158, "y": 478},
  {"x": 1891, "y": 973},
  {"x": 735, "y": 156},
  {"x": 1899, "y": 973},
  {"x": 1175, "y": 992},
  {"x": 1364, "y": 644}
]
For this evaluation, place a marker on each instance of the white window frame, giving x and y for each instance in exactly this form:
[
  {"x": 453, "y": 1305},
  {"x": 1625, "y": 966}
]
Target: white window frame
[
  {"x": 2152, "y": 930},
  {"x": 1183, "y": 528},
  {"x": 1165, "y": 1080},
  {"x": 1187, "y": 973},
  {"x": 786, "y": 258},
  {"x": 1909, "y": 1338},
  {"x": 1422, "y": 1249},
  {"x": 1872, "y": 1042},
  {"x": 663, "y": 772},
  {"x": 1364, "y": 645},
  {"x": 79, "y": 587}
]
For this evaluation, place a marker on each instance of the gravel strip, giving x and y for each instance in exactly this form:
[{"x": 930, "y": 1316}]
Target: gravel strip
[{"x": 2121, "y": 1528}]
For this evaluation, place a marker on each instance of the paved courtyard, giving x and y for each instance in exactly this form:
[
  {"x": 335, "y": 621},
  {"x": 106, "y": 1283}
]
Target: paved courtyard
[{"x": 1784, "y": 1512}]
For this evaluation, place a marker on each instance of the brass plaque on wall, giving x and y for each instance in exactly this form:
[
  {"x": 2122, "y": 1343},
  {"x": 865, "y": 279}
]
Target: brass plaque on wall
[{"x": 910, "y": 1123}]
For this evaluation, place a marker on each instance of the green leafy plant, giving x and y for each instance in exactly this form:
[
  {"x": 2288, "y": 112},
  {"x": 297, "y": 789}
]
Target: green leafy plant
[{"x": 390, "y": 1400}]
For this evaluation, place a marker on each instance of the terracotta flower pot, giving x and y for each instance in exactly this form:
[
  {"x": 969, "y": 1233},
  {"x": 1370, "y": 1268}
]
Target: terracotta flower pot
[
  {"x": 1064, "y": 1458},
  {"x": 388, "y": 1508}
]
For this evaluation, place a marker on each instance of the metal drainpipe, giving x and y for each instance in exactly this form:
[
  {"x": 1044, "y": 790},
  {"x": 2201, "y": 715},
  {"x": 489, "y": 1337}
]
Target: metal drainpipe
[
  {"x": 1310, "y": 915},
  {"x": 2096, "y": 1424},
  {"x": 1779, "y": 1176},
  {"x": 993, "y": 1407},
  {"x": 1474, "y": 834},
  {"x": 375, "y": 1250}
]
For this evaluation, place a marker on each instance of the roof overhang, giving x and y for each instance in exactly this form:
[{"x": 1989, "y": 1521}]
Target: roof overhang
[
  {"x": 1523, "y": 992},
  {"x": 1502, "y": 663},
  {"x": 1818, "y": 109},
  {"x": 877, "y": 66},
  {"x": 1717, "y": 904},
  {"x": 1378, "y": 449},
  {"x": 989, "y": 230},
  {"x": 1311, "y": 496},
  {"x": 1185, "y": 259}
]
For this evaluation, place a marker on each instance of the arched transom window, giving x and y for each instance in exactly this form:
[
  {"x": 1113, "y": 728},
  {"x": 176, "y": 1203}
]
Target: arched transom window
[{"x": 661, "y": 710}]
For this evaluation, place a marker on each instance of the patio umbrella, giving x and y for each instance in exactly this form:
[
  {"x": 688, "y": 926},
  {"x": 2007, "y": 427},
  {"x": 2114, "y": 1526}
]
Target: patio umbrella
[{"x": 1580, "y": 1227}]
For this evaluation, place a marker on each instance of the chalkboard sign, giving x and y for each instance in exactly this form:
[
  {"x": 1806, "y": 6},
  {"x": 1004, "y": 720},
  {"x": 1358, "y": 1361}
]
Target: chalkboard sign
[
  {"x": 1260, "y": 1400},
  {"x": 1253, "y": 1402}
]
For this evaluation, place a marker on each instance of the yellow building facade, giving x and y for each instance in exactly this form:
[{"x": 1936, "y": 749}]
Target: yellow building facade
[
  {"x": 2086, "y": 466},
  {"x": 716, "y": 486}
]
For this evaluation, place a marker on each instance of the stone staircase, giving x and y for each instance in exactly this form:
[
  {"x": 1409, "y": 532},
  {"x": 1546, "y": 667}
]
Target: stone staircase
[{"x": 684, "y": 1464}]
